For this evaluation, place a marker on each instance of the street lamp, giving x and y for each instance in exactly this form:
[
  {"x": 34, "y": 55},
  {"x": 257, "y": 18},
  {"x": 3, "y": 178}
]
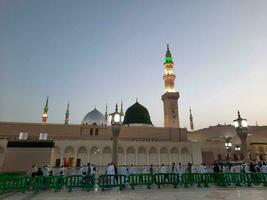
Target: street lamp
[
  {"x": 116, "y": 120},
  {"x": 228, "y": 146},
  {"x": 237, "y": 148},
  {"x": 242, "y": 131}
]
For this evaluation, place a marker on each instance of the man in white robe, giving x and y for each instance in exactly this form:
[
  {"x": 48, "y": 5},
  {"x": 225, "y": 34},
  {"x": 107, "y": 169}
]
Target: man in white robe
[
  {"x": 202, "y": 168},
  {"x": 132, "y": 169},
  {"x": 163, "y": 169},
  {"x": 145, "y": 169},
  {"x": 123, "y": 171},
  {"x": 111, "y": 171}
]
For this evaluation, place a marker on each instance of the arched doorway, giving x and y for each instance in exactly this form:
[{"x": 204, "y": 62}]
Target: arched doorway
[
  {"x": 185, "y": 156},
  {"x": 95, "y": 156},
  {"x": 121, "y": 156},
  {"x": 175, "y": 157},
  {"x": 142, "y": 156},
  {"x": 153, "y": 156},
  {"x": 69, "y": 156},
  {"x": 164, "y": 156},
  {"x": 130, "y": 156},
  {"x": 81, "y": 156},
  {"x": 57, "y": 156},
  {"x": 106, "y": 156}
]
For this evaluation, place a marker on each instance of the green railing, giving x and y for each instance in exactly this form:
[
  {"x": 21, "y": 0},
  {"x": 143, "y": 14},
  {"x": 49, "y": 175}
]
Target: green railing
[
  {"x": 224, "y": 179},
  {"x": 47, "y": 182},
  {"x": 166, "y": 179},
  {"x": 25, "y": 183},
  {"x": 84, "y": 182},
  {"x": 140, "y": 179},
  {"x": 110, "y": 181},
  {"x": 15, "y": 183}
]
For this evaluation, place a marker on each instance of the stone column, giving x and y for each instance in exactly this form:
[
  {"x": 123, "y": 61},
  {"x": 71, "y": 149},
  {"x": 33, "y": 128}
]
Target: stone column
[
  {"x": 136, "y": 158},
  {"x": 242, "y": 133},
  {"x": 75, "y": 159},
  {"x": 115, "y": 132},
  {"x": 148, "y": 158},
  {"x": 52, "y": 157},
  {"x": 61, "y": 159},
  {"x": 88, "y": 156},
  {"x": 180, "y": 156},
  {"x": 159, "y": 161},
  {"x": 124, "y": 157},
  {"x": 169, "y": 155},
  {"x": 100, "y": 158}
]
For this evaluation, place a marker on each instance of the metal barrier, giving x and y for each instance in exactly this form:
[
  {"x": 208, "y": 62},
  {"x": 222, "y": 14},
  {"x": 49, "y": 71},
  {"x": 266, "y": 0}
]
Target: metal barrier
[
  {"x": 140, "y": 179},
  {"x": 166, "y": 179},
  {"x": 15, "y": 183},
  {"x": 47, "y": 182},
  {"x": 84, "y": 182},
  {"x": 36, "y": 184},
  {"x": 110, "y": 181}
]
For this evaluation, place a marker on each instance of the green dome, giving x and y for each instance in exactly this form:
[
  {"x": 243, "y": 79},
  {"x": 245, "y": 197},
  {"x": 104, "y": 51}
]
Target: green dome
[{"x": 137, "y": 114}]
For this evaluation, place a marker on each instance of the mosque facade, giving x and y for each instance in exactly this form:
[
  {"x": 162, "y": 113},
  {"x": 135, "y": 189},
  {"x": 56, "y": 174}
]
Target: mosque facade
[{"x": 140, "y": 142}]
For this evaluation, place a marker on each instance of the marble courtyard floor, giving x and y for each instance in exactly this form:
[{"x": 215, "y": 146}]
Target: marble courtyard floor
[{"x": 217, "y": 193}]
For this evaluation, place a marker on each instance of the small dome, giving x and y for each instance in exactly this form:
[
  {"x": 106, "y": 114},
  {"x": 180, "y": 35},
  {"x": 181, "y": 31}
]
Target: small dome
[
  {"x": 94, "y": 118},
  {"x": 137, "y": 115}
]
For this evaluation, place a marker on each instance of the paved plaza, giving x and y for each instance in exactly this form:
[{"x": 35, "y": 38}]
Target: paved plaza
[{"x": 218, "y": 193}]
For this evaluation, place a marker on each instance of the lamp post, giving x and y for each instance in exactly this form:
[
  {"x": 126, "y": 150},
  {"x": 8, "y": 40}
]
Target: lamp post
[
  {"x": 237, "y": 148},
  {"x": 228, "y": 146},
  {"x": 116, "y": 120},
  {"x": 242, "y": 131}
]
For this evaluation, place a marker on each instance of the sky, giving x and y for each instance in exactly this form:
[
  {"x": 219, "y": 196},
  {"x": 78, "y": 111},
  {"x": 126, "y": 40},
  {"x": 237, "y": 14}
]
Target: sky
[{"x": 94, "y": 53}]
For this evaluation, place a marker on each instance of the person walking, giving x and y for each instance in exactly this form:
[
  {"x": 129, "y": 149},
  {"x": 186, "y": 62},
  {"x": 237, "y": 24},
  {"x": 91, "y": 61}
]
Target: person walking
[
  {"x": 145, "y": 169},
  {"x": 132, "y": 169},
  {"x": 34, "y": 171},
  {"x": 39, "y": 172},
  {"x": 151, "y": 170},
  {"x": 62, "y": 170}
]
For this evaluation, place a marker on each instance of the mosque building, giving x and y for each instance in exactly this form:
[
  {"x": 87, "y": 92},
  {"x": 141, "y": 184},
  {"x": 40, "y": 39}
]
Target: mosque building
[{"x": 140, "y": 142}]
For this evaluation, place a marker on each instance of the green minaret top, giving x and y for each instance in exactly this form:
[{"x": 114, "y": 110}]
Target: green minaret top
[
  {"x": 46, "y": 106},
  {"x": 168, "y": 57}
]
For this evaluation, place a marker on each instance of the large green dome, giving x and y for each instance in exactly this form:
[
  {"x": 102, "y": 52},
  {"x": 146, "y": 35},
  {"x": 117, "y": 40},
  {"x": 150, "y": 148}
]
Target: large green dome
[{"x": 137, "y": 114}]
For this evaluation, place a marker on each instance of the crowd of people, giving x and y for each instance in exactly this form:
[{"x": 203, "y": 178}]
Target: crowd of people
[
  {"x": 250, "y": 167},
  {"x": 177, "y": 168},
  {"x": 45, "y": 171},
  {"x": 163, "y": 169}
]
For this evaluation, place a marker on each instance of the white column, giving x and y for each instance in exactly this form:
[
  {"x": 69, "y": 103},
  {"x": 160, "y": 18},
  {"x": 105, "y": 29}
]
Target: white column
[
  {"x": 169, "y": 155},
  {"x": 75, "y": 158},
  {"x": 100, "y": 157},
  {"x": 136, "y": 158},
  {"x": 61, "y": 159},
  {"x": 88, "y": 157},
  {"x": 159, "y": 158},
  {"x": 124, "y": 157},
  {"x": 52, "y": 157},
  {"x": 180, "y": 155}
]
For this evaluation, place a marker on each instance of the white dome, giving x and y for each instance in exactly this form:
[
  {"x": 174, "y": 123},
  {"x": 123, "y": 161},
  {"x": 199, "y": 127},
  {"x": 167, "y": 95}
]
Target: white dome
[{"x": 94, "y": 118}]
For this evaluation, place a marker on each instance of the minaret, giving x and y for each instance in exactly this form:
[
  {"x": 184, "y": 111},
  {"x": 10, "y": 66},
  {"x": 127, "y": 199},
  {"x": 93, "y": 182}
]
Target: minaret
[
  {"x": 121, "y": 111},
  {"x": 191, "y": 120},
  {"x": 106, "y": 113},
  {"x": 45, "y": 112},
  {"x": 170, "y": 97},
  {"x": 67, "y": 114}
]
